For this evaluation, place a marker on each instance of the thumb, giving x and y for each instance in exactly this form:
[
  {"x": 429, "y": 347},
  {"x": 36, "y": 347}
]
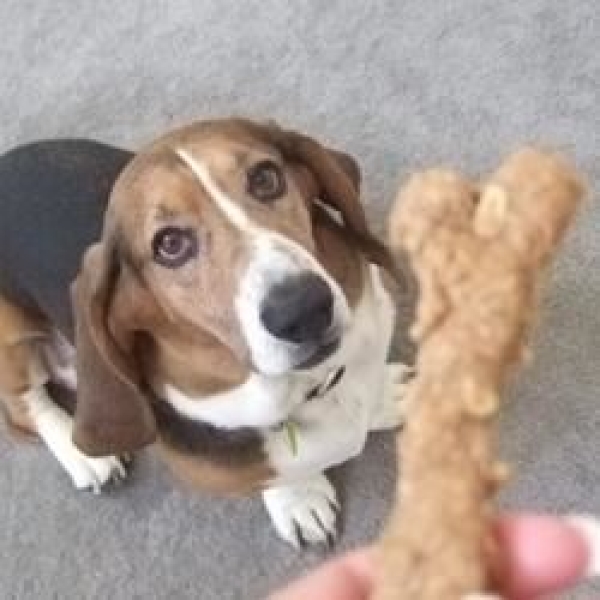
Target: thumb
[{"x": 543, "y": 554}]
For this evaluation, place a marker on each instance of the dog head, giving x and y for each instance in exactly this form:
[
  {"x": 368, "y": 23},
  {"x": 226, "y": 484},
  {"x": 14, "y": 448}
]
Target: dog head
[{"x": 210, "y": 230}]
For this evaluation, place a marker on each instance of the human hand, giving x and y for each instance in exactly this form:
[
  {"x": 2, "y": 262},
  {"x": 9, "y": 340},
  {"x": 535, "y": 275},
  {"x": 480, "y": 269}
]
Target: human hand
[{"x": 539, "y": 555}]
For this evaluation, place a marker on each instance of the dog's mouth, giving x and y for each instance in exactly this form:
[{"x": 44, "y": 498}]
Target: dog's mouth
[{"x": 321, "y": 353}]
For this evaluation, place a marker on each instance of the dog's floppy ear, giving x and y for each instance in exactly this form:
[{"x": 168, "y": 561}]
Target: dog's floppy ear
[
  {"x": 348, "y": 165},
  {"x": 337, "y": 177},
  {"x": 113, "y": 414}
]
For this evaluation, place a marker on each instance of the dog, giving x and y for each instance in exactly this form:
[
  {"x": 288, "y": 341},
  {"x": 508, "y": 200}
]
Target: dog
[{"x": 218, "y": 293}]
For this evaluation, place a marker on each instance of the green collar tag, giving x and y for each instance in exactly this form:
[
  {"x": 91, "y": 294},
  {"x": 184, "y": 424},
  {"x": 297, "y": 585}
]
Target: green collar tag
[{"x": 292, "y": 436}]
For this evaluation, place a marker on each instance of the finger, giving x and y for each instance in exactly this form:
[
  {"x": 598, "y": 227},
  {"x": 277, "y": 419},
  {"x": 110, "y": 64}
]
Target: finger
[
  {"x": 350, "y": 577},
  {"x": 542, "y": 554}
]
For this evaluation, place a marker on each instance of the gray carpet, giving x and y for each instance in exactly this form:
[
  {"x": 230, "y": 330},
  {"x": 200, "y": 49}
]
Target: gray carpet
[{"x": 402, "y": 85}]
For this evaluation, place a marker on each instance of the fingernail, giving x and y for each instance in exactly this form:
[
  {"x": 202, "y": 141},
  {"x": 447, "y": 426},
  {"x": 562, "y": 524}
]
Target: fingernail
[{"x": 589, "y": 529}]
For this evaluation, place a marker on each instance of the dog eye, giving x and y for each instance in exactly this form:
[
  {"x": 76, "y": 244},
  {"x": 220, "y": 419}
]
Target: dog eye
[
  {"x": 173, "y": 246},
  {"x": 266, "y": 181}
]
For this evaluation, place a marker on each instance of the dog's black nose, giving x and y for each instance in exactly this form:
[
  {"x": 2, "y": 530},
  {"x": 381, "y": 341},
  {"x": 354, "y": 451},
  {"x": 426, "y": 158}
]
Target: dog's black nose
[{"x": 299, "y": 309}]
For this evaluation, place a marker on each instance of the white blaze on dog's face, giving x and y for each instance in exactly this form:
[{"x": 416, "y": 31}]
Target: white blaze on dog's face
[{"x": 228, "y": 247}]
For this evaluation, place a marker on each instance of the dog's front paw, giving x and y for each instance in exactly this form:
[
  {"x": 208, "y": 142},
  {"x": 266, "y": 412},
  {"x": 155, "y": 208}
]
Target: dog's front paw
[
  {"x": 88, "y": 473},
  {"x": 55, "y": 427},
  {"x": 391, "y": 411},
  {"x": 305, "y": 512}
]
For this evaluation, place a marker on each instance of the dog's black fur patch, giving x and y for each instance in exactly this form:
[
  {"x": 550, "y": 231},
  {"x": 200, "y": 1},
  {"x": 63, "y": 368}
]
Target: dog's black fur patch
[
  {"x": 53, "y": 195},
  {"x": 225, "y": 447}
]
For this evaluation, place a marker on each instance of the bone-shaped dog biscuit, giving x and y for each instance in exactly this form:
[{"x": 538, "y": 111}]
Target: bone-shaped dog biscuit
[{"x": 477, "y": 252}]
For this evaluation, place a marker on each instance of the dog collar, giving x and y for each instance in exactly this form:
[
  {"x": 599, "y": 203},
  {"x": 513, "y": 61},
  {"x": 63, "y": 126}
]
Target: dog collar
[{"x": 330, "y": 381}]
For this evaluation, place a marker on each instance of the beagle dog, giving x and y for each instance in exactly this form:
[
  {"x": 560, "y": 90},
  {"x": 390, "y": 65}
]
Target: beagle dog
[{"x": 218, "y": 293}]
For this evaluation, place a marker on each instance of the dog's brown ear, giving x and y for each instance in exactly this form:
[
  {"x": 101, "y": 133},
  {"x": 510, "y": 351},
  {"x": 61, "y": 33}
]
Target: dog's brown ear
[
  {"x": 349, "y": 166},
  {"x": 337, "y": 178},
  {"x": 113, "y": 414}
]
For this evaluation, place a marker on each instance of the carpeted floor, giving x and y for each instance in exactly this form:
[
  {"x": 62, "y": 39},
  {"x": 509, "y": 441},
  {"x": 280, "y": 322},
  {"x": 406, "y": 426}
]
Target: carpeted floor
[{"x": 401, "y": 85}]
